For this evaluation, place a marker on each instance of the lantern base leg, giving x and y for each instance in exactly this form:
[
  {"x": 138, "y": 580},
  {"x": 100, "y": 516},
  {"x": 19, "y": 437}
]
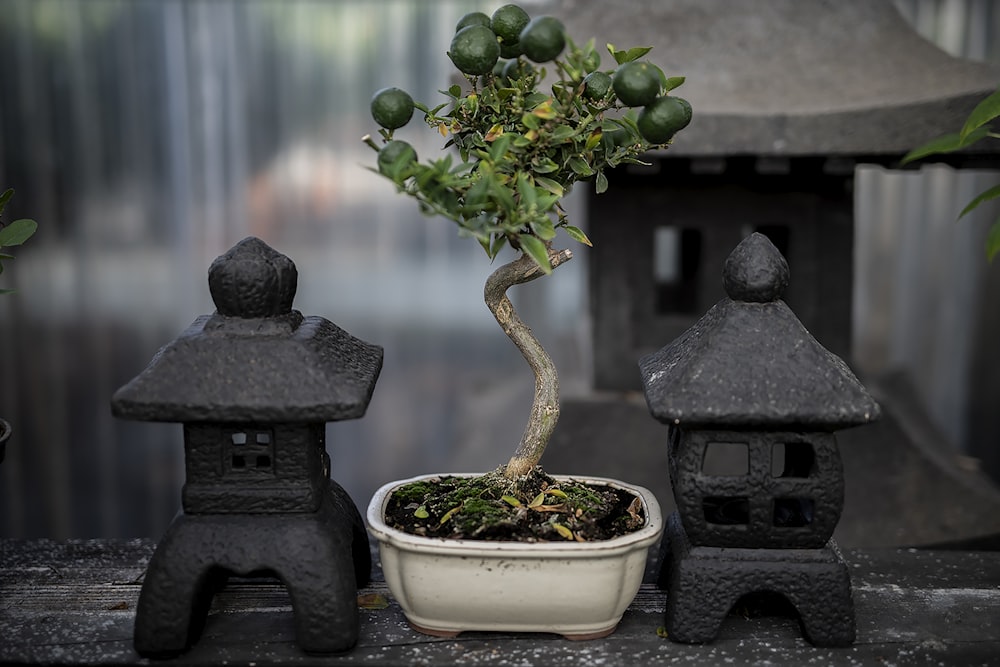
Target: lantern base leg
[
  {"x": 321, "y": 557},
  {"x": 703, "y": 583}
]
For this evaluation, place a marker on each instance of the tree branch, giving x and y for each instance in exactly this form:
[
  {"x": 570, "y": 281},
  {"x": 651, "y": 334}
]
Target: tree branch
[{"x": 545, "y": 407}]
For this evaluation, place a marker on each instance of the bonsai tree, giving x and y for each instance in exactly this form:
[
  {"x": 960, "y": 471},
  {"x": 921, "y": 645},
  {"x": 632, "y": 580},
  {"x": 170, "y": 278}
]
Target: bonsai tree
[
  {"x": 537, "y": 115},
  {"x": 974, "y": 130},
  {"x": 14, "y": 233}
]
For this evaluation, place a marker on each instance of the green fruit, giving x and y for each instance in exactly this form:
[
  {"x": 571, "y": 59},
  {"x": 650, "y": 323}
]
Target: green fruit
[
  {"x": 667, "y": 115},
  {"x": 543, "y": 39},
  {"x": 596, "y": 85},
  {"x": 516, "y": 69},
  {"x": 474, "y": 50},
  {"x": 510, "y": 50},
  {"x": 636, "y": 84},
  {"x": 392, "y": 108},
  {"x": 473, "y": 18},
  {"x": 508, "y": 22},
  {"x": 395, "y": 151}
]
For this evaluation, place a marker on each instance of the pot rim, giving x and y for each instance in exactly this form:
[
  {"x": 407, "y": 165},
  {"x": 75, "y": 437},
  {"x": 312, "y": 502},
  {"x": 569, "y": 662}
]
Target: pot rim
[{"x": 644, "y": 536}]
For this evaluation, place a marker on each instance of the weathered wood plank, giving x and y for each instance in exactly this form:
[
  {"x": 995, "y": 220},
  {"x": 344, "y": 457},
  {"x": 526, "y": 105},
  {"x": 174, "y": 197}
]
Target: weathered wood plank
[{"x": 73, "y": 603}]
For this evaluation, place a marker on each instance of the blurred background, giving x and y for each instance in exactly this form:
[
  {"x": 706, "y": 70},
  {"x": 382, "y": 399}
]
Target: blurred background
[{"x": 148, "y": 136}]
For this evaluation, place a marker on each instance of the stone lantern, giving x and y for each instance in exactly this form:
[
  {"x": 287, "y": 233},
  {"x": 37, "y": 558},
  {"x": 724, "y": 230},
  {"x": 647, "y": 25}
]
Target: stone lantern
[
  {"x": 752, "y": 401},
  {"x": 254, "y": 385}
]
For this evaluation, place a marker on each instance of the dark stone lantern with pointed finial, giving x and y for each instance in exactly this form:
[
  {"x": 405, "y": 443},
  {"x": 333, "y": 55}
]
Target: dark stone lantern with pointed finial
[
  {"x": 752, "y": 401},
  {"x": 254, "y": 385}
]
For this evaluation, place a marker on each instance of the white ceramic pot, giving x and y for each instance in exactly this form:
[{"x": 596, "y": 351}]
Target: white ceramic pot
[{"x": 577, "y": 589}]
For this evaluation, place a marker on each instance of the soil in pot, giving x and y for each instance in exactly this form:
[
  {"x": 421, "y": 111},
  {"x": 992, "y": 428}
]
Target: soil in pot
[{"x": 534, "y": 508}]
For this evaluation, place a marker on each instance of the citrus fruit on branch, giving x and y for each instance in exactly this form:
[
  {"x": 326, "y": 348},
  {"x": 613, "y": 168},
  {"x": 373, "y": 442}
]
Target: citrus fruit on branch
[
  {"x": 392, "y": 108},
  {"x": 474, "y": 50}
]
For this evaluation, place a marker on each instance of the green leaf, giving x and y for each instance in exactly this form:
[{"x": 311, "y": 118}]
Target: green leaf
[
  {"x": 17, "y": 232},
  {"x": 562, "y": 133},
  {"x": 421, "y": 512},
  {"x": 984, "y": 112},
  {"x": 544, "y": 165},
  {"x": 535, "y": 248},
  {"x": 499, "y": 147},
  {"x": 498, "y": 244},
  {"x": 580, "y": 167},
  {"x": 531, "y": 121},
  {"x": 577, "y": 234},
  {"x": 992, "y": 193},
  {"x": 673, "y": 82},
  {"x": 601, "y": 182},
  {"x": 944, "y": 144},
  {"x": 455, "y": 91},
  {"x": 993, "y": 241},
  {"x": 449, "y": 514},
  {"x": 543, "y": 228},
  {"x": 511, "y": 500},
  {"x": 5, "y": 197},
  {"x": 550, "y": 185},
  {"x": 637, "y": 52},
  {"x": 537, "y": 500},
  {"x": 526, "y": 190}
]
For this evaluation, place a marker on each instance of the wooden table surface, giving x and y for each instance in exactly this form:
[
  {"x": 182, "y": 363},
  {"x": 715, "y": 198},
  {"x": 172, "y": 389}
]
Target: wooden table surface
[{"x": 73, "y": 602}]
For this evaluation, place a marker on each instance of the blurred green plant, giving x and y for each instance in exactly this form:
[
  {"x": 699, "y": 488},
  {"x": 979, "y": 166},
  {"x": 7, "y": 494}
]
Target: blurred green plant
[
  {"x": 14, "y": 233},
  {"x": 974, "y": 130}
]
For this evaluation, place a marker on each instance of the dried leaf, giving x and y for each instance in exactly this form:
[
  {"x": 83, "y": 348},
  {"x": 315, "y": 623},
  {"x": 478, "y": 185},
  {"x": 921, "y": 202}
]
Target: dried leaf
[
  {"x": 563, "y": 531},
  {"x": 372, "y": 601}
]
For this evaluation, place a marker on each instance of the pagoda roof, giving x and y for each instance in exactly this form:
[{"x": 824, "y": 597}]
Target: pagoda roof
[
  {"x": 749, "y": 362},
  {"x": 255, "y": 359}
]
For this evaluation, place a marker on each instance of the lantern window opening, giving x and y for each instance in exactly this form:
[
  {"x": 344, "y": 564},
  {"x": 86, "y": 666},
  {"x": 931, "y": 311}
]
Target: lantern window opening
[
  {"x": 793, "y": 512},
  {"x": 677, "y": 260},
  {"x": 726, "y": 459},
  {"x": 251, "y": 450},
  {"x": 793, "y": 459},
  {"x": 726, "y": 510}
]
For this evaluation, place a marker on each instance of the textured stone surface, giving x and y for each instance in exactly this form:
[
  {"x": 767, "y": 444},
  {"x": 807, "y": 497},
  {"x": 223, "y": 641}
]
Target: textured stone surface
[
  {"x": 798, "y": 507},
  {"x": 752, "y": 363},
  {"x": 704, "y": 583},
  {"x": 322, "y": 557},
  {"x": 262, "y": 363}
]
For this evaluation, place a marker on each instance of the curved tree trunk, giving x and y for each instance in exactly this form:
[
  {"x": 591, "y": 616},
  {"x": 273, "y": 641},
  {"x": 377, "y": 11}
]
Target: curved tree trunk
[{"x": 545, "y": 407}]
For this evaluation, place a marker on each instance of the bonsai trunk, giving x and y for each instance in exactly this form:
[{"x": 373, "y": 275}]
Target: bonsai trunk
[{"x": 545, "y": 407}]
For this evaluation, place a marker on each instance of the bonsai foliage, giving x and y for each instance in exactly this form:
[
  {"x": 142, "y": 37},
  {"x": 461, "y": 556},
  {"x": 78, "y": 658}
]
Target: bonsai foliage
[
  {"x": 975, "y": 129},
  {"x": 537, "y": 115},
  {"x": 14, "y": 233}
]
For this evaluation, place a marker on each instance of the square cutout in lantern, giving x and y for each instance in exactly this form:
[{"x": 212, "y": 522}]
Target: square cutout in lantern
[
  {"x": 726, "y": 511},
  {"x": 726, "y": 459},
  {"x": 793, "y": 459},
  {"x": 793, "y": 512}
]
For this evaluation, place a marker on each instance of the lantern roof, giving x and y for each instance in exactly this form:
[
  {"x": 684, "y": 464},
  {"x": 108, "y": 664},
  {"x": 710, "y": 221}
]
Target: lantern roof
[
  {"x": 749, "y": 362},
  {"x": 784, "y": 77},
  {"x": 255, "y": 359}
]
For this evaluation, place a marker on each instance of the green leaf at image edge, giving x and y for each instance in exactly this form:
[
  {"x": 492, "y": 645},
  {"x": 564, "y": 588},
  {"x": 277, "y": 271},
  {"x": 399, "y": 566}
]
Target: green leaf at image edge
[
  {"x": 984, "y": 112},
  {"x": 17, "y": 232},
  {"x": 992, "y": 193},
  {"x": 944, "y": 144},
  {"x": 993, "y": 241}
]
